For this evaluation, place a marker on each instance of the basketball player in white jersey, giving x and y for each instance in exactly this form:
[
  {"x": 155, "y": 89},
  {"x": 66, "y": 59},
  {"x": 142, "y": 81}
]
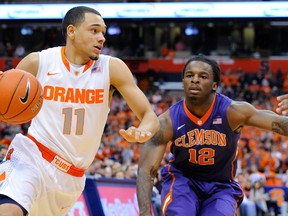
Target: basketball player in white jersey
[{"x": 43, "y": 172}]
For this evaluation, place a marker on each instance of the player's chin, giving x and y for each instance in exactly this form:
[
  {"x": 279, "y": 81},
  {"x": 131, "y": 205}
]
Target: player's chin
[
  {"x": 94, "y": 57},
  {"x": 193, "y": 94}
]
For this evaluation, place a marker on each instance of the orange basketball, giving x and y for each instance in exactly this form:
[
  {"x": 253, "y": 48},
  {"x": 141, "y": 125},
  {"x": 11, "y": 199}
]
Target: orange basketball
[{"x": 21, "y": 96}]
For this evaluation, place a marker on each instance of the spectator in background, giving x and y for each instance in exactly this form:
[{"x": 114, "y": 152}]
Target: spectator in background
[
  {"x": 279, "y": 77},
  {"x": 95, "y": 169},
  {"x": 285, "y": 179},
  {"x": 248, "y": 207},
  {"x": 120, "y": 174},
  {"x": 164, "y": 50},
  {"x": 152, "y": 77},
  {"x": 131, "y": 171},
  {"x": 258, "y": 195},
  {"x": 256, "y": 175},
  {"x": 20, "y": 50},
  {"x": 127, "y": 154},
  {"x": 107, "y": 172},
  {"x": 10, "y": 49},
  {"x": 156, "y": 194},
  {"x": 2, "y": 49}
]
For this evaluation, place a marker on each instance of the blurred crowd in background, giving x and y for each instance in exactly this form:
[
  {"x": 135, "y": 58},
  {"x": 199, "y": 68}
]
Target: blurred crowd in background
[{"x": 263, "y": 156}]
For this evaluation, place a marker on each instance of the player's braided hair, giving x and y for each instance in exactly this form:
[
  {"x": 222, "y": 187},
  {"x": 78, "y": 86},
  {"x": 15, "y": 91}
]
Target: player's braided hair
[
  {"x": 215, "y": 67},
  {"x": 75, "y": 16}
]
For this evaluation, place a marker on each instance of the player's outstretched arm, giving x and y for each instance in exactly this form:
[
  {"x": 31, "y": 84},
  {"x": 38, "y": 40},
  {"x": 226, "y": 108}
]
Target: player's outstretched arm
[
  {"x": 243, "y": 113},
  {"x": 122, "y": 79},
  {"x": 150, "y": 159},
  {"x": 282, "y": 105}
]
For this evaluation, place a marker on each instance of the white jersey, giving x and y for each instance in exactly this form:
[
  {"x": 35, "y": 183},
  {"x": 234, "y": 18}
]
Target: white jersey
[{"x": 75, "y": 107}]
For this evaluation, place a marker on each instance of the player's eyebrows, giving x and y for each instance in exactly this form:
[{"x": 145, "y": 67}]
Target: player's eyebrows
[
  {"x": 197, "y": 71},
  {"x": 99, "y": 25}
]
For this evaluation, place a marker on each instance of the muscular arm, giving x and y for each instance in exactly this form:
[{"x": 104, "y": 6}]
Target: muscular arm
[
  {"x": 241, "y": 113},
  {"x": 30, "y": 63},
  {"x": 150, "y": 159},
  {"x": 122, "y": 79}
]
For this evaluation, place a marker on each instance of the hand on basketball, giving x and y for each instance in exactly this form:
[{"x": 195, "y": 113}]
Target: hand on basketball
[
  {"x": 282, "y": 105},
  {"x": 133, "y": 134}
]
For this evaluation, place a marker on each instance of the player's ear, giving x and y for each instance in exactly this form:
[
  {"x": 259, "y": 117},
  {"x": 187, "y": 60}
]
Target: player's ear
[
  {"x": 215, "y": 86},
  {"x": 70, "y": 31}
]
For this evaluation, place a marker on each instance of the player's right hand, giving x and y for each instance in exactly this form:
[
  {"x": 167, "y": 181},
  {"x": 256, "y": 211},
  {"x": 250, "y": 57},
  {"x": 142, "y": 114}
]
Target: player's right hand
[
  {"x": 282, "y": 105},
  {"x": 133, "y": 134}
]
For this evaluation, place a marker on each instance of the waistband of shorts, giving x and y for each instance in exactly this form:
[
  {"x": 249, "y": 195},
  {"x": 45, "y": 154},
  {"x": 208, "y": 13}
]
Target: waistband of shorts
[{"x": 56, "y": 160}]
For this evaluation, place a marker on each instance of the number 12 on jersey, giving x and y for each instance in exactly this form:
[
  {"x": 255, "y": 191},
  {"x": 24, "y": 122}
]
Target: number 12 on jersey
[{"x": 205, "y": 156}]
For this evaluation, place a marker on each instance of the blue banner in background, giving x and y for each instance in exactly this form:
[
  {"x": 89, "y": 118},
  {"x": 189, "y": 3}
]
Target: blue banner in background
[{"x": 150, "y": 10}]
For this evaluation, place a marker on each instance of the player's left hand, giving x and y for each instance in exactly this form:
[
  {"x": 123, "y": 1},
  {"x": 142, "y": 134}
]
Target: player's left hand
[
  {"x": 133, "y": 134},
  {"x": 282, "y": 105}
]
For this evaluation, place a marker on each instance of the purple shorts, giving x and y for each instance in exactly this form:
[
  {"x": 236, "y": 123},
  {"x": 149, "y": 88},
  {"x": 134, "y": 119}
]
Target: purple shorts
[{"x": 184, "y": 196}]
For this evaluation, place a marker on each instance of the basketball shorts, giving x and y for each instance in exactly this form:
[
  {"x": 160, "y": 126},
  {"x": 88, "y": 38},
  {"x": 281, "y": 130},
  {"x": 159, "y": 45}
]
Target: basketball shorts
[
  {"x": 36, "y": 184},
  {"x": 184, "y": 196}
]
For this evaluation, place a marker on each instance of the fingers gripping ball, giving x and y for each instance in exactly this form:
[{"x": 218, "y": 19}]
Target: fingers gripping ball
[{"x": 21, "y": 96}]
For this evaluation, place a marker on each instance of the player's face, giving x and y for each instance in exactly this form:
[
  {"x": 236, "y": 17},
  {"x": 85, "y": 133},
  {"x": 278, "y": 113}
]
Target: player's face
[
  {"x": 198, "y": 80},
  {"x": 89, "y": 36}
]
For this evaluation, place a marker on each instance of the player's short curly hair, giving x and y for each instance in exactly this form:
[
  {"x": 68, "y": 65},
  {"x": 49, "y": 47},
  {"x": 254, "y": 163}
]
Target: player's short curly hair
[
  {"x": 215, "y": 67},
  {"x": 74, "y": 16}
]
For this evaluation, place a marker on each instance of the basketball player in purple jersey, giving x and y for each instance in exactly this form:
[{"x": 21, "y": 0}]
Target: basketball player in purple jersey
[{"x": 204, "y": 129}]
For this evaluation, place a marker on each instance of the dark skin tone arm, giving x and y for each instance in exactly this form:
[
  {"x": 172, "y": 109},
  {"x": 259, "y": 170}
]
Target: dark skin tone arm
[
  {"x": 242, "y": 113},
  {"x": 150, "y": 159}
]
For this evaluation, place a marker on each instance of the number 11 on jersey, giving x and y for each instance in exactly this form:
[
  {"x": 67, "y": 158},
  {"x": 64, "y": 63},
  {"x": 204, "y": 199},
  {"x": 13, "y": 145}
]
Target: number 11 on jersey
[{"x": 79, "y": 114}]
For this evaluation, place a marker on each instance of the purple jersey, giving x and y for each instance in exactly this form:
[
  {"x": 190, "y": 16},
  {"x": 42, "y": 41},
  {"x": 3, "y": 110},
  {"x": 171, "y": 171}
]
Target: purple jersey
[{"x": 204, "y": 149}]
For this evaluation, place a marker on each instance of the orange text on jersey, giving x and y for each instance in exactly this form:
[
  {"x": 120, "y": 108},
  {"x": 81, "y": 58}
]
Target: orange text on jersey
[
  {"x": 201, "y": 137},
  {"x": 73, "y": 95},
  {"x": 62, "y": 165}
]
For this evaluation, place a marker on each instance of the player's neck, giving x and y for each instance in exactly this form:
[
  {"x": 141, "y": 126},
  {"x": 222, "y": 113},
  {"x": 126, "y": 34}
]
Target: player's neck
[
  {"x": 74, "y": 57},
  {"x": 199, "y": 107}
]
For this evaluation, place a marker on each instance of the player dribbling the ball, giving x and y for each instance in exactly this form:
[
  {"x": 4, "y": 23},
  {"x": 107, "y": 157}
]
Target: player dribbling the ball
[
  {"x": 21, "y": 96},
  {"x": 43, "y": 173}
]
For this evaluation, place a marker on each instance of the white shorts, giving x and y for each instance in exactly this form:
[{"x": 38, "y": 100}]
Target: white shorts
[{"x": 36, "y": 184}]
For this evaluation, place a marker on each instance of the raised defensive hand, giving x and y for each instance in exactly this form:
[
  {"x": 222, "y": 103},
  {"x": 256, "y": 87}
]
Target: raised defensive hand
[
  {"x": 133, "y": 134},
  {"x": 282, "y": 105}
]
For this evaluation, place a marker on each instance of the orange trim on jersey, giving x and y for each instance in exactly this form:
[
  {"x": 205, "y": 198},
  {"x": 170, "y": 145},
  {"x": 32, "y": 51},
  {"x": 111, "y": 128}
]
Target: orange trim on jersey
[
  {"x": 64, "y": 60},
  {"x": 67, "y": 64},
  {"x": 168, "y": 198},
  {"x": 9, "y": 153},
  {"x": 3, "y": 176},
  {"x": 232, "y": 164},
  {"x": 193, "y": 118},
  {"x": 240, "y": 198},
  {"x": 88, "y": 65},
  {"x": 57, "y": 161}
]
